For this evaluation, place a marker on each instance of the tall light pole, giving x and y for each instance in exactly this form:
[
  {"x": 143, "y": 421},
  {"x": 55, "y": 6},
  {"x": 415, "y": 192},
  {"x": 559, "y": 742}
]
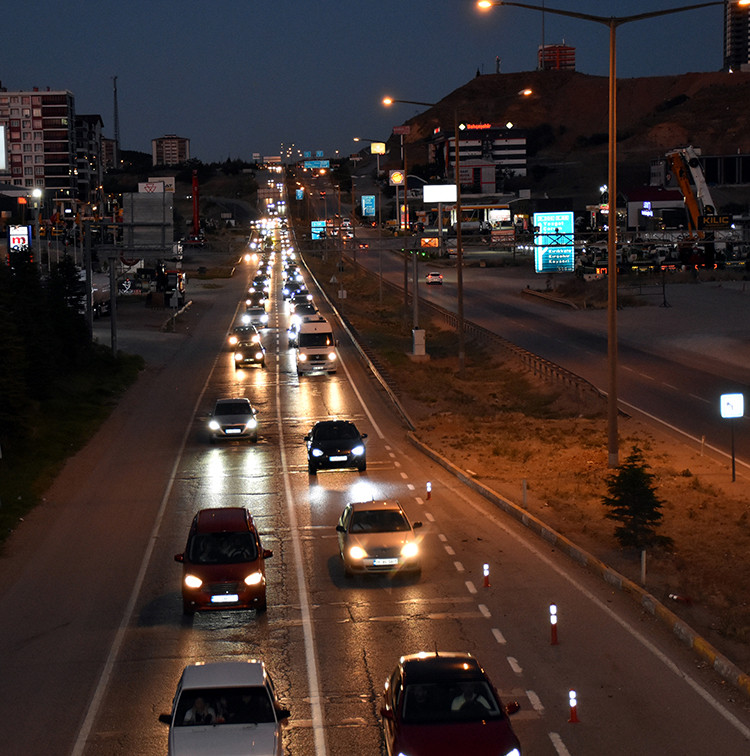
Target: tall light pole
[
  {"x": 612, "y": 22},
  {"x": 387, "y": 101}
]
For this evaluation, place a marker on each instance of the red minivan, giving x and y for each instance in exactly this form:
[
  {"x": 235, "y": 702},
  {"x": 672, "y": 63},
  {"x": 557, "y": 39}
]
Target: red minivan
[{"x": 223, "y": 562}]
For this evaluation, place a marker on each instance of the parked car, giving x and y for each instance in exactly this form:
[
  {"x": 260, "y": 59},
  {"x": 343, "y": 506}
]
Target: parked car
[
  {"x": 434, "y": 279},
  {"x": 376, "y": 536},
  {"x": 233, "y": 418},
  {"x": 223, "y": 565},
  {"x": 226, "y": 707},
  {"x": 441, "y": 703},
  {"x": 335, "y": 444}
]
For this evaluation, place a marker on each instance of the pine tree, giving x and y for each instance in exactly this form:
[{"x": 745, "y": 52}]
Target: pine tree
[{"x": 634, "y": 504}]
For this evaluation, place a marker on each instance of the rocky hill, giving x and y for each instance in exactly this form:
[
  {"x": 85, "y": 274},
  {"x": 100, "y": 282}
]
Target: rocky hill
[{"x": 566, "y": 116}]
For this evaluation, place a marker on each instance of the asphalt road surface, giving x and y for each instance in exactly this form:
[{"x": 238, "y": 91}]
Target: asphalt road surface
[{"x": 93, "y": 640}]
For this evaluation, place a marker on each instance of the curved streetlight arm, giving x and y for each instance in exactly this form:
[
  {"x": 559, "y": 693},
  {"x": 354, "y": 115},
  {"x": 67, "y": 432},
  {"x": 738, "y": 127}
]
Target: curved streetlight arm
[
  {"x": 388, "y": 101},
  {"x": 606, "y": 20}
]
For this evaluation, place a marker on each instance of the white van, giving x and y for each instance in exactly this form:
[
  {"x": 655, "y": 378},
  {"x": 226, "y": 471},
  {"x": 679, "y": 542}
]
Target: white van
[{"x": 316, "y": 348}]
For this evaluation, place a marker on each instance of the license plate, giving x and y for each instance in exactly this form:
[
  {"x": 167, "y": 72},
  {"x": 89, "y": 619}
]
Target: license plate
[
  {"x": 338, "y": 458},
  {"x": 225, "y": 598},
  {"x": 233, "y": 430},
  {"x": 384, "y": 562}
]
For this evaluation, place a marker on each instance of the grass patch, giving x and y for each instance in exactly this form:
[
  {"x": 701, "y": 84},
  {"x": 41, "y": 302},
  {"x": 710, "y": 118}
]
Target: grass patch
[{"x": 63, "y": 422}]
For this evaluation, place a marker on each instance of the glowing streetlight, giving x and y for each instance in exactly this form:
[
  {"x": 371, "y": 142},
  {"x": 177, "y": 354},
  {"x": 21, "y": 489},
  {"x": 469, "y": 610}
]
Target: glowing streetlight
[{"x": 612, "y": 22}]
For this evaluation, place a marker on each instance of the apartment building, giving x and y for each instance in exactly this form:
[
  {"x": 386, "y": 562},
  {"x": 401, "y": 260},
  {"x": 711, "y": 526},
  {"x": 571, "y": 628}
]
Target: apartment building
[{"x": 170, "y": 150}]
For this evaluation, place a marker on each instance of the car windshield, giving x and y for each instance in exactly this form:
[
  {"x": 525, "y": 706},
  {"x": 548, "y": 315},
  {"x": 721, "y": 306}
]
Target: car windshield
[
  {"x": 374, "y": 521},
  {"x": 316, "y": 339},
  {"x": 335, "y": 431},
  {"x": 232, "y": 408},
  {"x": 222, "y": 548},
  {"x": 212, "y": 706},
  {"x": 445, "y": 702}
]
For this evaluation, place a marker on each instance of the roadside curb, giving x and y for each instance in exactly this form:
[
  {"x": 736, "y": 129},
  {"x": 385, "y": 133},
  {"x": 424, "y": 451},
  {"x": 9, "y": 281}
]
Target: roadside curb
[{"x": 725, "y": 668}]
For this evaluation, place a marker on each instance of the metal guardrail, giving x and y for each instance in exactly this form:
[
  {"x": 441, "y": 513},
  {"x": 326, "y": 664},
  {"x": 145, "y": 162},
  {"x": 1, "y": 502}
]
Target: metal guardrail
[{"x": 538, "y": 366}]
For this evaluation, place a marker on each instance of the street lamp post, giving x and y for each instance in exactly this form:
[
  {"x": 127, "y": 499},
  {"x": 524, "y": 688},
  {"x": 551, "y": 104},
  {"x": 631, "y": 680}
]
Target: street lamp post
[
  {"x": 612, "y": 22},
  {"x": 387, "y": 101}
]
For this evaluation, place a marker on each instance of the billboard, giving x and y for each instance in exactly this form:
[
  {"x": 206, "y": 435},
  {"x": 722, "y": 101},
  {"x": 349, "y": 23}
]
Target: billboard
[
  {"x": 437, "y": 193},
  {"x": 554, "y": 250}
]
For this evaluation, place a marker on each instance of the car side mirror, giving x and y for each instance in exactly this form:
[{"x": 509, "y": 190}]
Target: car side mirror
[
  {"x": 179, "y": 557},
  {"x": 165, "y": 719},
  {"x": 417, "y": 524},
  {"x": 307, "y": 437},
  {"x": 512, "y": 708},
  {"x": 267, "y": 553},
  {"x": 340, "y": 529},
  {"x": 363, "y": 435},
  {"x": 283, "y": 713},
  {"x": 386, "y": 713}
]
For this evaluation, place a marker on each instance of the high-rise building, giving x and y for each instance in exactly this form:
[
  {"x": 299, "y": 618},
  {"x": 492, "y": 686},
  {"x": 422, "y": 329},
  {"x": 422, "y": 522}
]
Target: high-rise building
[
  {"x": 736, "y": 37},
  {"x": 556, "y": 58},
  {"x": 170, "y": 150},
  {"x": 40, "y": 132}
]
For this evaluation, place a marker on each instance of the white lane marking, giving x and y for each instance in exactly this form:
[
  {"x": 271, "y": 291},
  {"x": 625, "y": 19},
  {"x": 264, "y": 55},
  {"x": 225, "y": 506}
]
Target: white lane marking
[
  {"x": 484, "y": 611},
  {"x": 397, "y": 464},
  {"x": 558, "y": 744},
  {"x": 404, "y": 475},
  {"x": 106, "y": 674},
  {"x": 515, "y": 666},
  {"x": 410, "y": 486},
  {"x": 442, "y": 537},
  {"x": 470, "y": 587},
  {"x": 459, "y": 567},
  {"x": 535, "y": 701},
  {"x": 449, "y": 550},
  {"x": 311, "y": 658},
  {"x": 499, "y": 637},
  {"x": 428, "y": 516},
  {"x": 419, "y": 499},
  {"x": 639, "y": 637}
]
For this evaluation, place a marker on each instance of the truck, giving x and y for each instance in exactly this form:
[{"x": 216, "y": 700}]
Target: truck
[
  {"x": 316, "y": 348},
  {"x": 686, "y": 167}
]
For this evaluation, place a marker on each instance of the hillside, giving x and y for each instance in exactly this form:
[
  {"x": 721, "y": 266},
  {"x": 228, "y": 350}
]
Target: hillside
[{"x": 566, "y": 118}]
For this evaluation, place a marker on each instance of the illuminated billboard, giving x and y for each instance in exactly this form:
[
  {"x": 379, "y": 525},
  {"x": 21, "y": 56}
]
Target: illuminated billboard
[
  {"x": 437, "y": 193},
  {"x": 3, "y": 154},
  {"x": 554, "y": 250}
]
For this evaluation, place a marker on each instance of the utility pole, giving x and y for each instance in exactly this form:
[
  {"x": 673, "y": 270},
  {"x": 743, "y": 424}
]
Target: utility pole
[{"x": 116, "y": 156}]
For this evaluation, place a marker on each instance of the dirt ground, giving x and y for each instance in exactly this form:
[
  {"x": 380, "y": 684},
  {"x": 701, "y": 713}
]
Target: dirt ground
[{"x": 506, "y": 428}]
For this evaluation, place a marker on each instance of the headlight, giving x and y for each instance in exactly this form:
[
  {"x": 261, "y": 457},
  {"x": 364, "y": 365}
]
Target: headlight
[
  {"x": 358, "y": 450},
  {"x": 357, "y": 552},
  {"x": 246, "y": 319},
  {"x": 264, "y": 318},
  {"x": 513, "y": 752},
  {"x": 193, "y": 581},
  {"x": 254, "y": 578},
  {"x": 409, "y": 550},
  {"x": 251, "y": 423},
  {"x": 259, "y": 355},
  {"x": 233, "y": 340},
  {"x": 316, "y": 452},
  {"x": 213, "y": 425},
  {"x": 256, "y": 338},
  {"x": 332, "y": 356},
  {"x": 302, "y": 357},
  {"x": 237, "y": 356}
]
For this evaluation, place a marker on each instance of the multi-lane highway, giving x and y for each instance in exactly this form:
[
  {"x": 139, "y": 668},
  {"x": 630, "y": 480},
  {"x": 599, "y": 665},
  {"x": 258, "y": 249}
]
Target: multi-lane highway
[{"x": 93, "y": 639}]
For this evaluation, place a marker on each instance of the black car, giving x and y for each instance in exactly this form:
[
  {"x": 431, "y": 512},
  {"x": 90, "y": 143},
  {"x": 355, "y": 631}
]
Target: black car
[
  {"x": 335, "y": 444},
  {"x": 248, "y": 353}
]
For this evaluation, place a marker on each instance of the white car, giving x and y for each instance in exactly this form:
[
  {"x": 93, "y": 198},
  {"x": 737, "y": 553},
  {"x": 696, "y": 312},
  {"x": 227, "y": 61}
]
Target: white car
[
  {"x": 225, "y": 708},
  {"x": 434, "y": 278},
  {"x": 233, "y": 418}
]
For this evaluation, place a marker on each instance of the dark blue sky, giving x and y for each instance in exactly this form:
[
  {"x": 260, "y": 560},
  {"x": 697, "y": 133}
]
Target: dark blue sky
[{"x": 243, "y": 76}]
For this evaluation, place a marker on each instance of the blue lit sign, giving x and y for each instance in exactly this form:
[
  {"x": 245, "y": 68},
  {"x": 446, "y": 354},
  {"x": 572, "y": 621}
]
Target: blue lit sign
[
  {"x": 317, "y": 229},
  {"x": 312, "y": 164},
  {"x": 368, "y": 205},
  {"x": 553, "y": 242}
]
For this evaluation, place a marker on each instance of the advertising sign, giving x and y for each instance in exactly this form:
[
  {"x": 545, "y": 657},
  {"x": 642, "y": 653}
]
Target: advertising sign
[
  {"x": 368, "y": 205},
  {"x": 437, "y": 193},
  {"x": 19, "y": 238},
  {"x": 402, "y": 130},
  {"x": 396, "y": 178},
  {"x": 168, "y": 182},
  {"x": 299, "y": 194},
  {"x": 553, "y": 242},
  {"x": 377, "y": 148}
]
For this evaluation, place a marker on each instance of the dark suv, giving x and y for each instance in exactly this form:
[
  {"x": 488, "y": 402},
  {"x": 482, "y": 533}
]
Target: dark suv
[{"x": 223, "y": 562}]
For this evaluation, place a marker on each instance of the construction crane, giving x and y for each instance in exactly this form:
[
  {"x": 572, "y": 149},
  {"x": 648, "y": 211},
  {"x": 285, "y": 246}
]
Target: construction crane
[{"x": 686, "y": 167}]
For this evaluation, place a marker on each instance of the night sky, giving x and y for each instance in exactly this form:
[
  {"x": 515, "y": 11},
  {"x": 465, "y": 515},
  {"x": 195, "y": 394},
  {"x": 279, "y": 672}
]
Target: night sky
[{"x": 242, "y": 76}]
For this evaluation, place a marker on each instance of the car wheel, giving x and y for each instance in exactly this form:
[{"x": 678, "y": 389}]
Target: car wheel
[
  {"x": 261, "y": 606},
  {"x": 348, "y": 574},
  {"x": 254, "y": 439},
  {"x": 311, "y": 469},
  {"x": 362, "y": 467},
  {"x": 187, "y": 609}
]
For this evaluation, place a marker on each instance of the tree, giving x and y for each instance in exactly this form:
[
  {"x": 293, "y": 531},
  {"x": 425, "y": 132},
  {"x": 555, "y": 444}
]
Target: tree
[{"x": 634, "y": 504}]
